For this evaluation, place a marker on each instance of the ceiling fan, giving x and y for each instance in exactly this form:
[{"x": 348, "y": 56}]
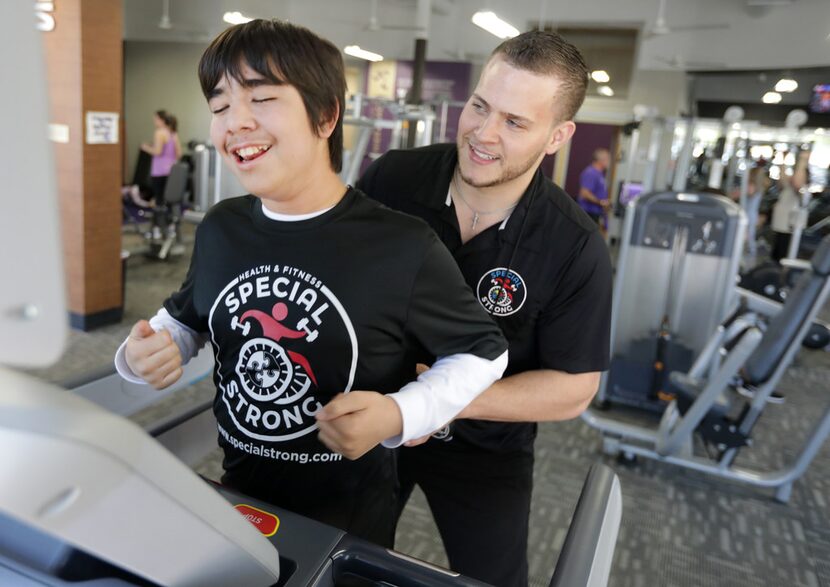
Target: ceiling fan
[
  {"x": 662, "y": 28},
  {"x": 166, "y": 24},
  {"x": 374, "y": 24},
  {"x": 677, "y": 61},
  {"x": 458, "y": 53}
]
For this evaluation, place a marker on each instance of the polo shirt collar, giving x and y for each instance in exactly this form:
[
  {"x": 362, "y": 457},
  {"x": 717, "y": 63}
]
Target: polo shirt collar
[
  {"x": 436, "y": 197},
  {"x": 532, "y": 238}
]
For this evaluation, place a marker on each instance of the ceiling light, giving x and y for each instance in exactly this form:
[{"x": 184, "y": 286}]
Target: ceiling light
[
  {"x": 600, "y": 76},
  {"x": 494, "y": 25},
  {"x": 236, "y": 17},
  {"x": 605, "y": 91},
  {"x": 771, "y": 98},
  {"x": 819, "y": 131},
  {"x": 356, "y": 51},
  {"x": 786, "y": 85}
]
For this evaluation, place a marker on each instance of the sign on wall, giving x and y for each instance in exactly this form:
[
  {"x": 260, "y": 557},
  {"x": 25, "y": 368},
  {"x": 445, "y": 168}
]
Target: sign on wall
[{"x": 101, "y": 128}]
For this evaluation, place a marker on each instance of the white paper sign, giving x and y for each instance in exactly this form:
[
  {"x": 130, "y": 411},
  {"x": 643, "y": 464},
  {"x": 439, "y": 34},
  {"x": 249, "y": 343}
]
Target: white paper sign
[{"x": 101, "y": 128}]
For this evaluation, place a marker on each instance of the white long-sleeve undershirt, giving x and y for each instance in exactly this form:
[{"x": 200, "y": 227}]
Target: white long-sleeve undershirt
[{"x": 427, "y": 404}]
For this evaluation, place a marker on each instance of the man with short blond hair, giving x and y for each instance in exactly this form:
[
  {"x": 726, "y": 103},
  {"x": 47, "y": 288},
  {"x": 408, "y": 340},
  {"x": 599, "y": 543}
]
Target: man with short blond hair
[{"x": 537, "y": 265}]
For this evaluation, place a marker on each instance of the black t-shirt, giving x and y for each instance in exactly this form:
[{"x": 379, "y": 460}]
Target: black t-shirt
[
  {"x": 300, "y": 311},
  {"x": 545, "y": 277}
]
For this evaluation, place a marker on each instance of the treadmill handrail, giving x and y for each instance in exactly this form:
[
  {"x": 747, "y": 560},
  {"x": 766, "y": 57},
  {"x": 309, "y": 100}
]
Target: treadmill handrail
[
  {"x": 586, "y": 555},
  {"x": 156, "y": 429},
  {"x": 91, "y": 376}
]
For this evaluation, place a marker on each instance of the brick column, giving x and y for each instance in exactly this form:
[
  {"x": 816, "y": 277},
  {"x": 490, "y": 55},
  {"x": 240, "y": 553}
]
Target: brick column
[{"x": 84, "y": 62}]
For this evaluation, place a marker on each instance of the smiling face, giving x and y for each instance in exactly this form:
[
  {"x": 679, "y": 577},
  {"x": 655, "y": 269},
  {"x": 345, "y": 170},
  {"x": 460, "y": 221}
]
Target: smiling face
[
  {"x": 508, "y": 125},
  {"x": 263, "y": 133}
]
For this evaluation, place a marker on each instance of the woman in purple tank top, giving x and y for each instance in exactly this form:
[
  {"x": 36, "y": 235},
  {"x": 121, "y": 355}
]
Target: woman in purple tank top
[{"x": 165, "y": 150}]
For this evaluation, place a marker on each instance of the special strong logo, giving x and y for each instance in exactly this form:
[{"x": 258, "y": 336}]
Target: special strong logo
[
  {"x": 501, "y": 291},
  {"x": 277, "y": 326}
]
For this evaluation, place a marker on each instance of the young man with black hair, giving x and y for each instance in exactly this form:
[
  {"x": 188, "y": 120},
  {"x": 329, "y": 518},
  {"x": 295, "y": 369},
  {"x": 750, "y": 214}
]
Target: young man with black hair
[
  {"x": 537, "y": 265},
  {"x": 317, "y": 301}
]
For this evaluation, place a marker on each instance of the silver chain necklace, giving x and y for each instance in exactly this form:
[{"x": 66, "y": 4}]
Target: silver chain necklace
[{"x": 477, "y": 213}]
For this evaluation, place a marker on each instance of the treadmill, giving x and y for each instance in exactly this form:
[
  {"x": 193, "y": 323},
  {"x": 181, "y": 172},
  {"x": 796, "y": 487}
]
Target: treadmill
[{"x": 88, "y": 498}]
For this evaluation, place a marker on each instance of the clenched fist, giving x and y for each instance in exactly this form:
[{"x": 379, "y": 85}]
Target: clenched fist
[
  {"x": 153, "y": 356},
  {"x": 354, "y": 423}
]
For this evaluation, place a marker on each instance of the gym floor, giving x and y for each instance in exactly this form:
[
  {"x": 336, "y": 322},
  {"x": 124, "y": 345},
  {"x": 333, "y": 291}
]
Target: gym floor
[{"x": 679, "y": 528}]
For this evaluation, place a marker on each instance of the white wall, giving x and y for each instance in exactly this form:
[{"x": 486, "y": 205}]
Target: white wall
[
  {"x": 160, "y": 75},
  {"x": 665, "y": 90}
]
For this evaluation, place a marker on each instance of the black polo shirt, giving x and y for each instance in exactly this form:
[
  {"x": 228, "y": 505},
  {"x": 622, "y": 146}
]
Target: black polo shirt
[{"x": 544, "y": 275}]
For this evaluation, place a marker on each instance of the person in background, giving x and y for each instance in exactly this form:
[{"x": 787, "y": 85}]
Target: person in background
[
  {"x": 758, "y": 186},
  {"x": 593, "y": 193},
  {"x": 165, "y": 151},
  {"x": 786, "y": 208}
]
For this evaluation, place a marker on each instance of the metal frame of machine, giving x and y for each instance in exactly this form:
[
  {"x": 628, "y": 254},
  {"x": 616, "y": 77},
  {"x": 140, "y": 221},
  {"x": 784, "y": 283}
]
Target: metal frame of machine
[
  {"x": 721, "y": 379},
  {"x": 405, "y": 119},
  {"x": 631, "y": 292}
]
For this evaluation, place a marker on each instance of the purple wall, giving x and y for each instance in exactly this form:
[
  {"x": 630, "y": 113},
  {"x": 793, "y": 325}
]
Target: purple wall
[
  {"x": 587, "y": 138},
  {"x": 442, "y": 80}
]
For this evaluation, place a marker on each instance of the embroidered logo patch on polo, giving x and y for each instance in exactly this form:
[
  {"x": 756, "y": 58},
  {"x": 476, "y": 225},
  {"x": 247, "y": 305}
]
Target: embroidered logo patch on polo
[{"x": 501, "y": 291}]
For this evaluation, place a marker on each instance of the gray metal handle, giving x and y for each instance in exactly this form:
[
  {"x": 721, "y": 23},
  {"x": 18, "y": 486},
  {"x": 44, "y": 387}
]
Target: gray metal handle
[{"x": 586, "y": 555}]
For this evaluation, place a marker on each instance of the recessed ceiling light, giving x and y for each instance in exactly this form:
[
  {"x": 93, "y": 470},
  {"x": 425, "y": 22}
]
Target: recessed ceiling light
[
  {"x": 600, "y": 76},
  {"x": 786, "y": 85},
  {"x": 605, "y": 91},
  {"x": 771, "y": 98}
]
